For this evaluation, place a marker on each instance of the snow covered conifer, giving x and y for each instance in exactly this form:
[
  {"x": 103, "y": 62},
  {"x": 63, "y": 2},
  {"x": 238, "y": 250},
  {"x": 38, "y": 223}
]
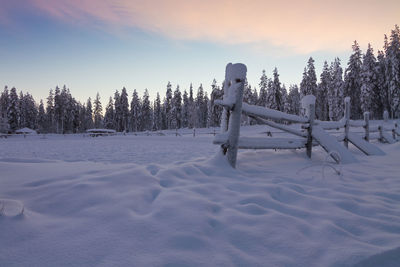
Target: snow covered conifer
[
  {"x": 274, "y": 92},
  {"x": 135, "y": 112},
  {"x": 294, "y": 100},
  {"x": 177, "y": 109},
  {"x": 168, "y": 106},
  {"x": 322, "y": 103},
  {"x": 98, "y": 112},
  {"x": 109, "y": 115},
  {"x": 368, "y": 81},
  {"x": 157, "y": 113},
  {"x": 124, "y": 108},
  {"x": 393, "y": 72},
  {"x": 352, "y": 81},
  {"x": 262, "y": 100},
  {"x": 89, "y": 114},
  {"x": 41, "y": 120},
  {"x": 146, "y": 112},
  {"x": 335, "y": 92},
  {"x": 13, "y": 109},
  {"x": 308, "y": 85}
]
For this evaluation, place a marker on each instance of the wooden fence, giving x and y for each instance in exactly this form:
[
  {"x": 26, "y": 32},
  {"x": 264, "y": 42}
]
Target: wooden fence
[{"x": 313, "y": 132}]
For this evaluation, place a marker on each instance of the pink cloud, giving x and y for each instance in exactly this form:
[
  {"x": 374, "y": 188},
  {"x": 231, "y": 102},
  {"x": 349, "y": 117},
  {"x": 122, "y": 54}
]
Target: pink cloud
[{"x": 304, "y": 26}]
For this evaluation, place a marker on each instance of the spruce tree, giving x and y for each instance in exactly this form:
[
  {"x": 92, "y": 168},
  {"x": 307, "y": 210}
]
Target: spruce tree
[
  {"x": 294, "y": 100},
  {"x": 262, "y": 101},
  {"x": 352, "y": 81},
  {"x": 274, "y": 92},
  {"x": 12, "y": 110},
  {"x": 185, "y": 110},
  {"x": 135, "y": 112},
  {"x": 89, "y": 114},
  {"x": 168, "y": 106},
  {"x": 393, "y": 72},
  {"x": 124, "y": 106},
  {"x": 335, "y": 92},
  {"x": 157, "y": 113},
  {"x": 368, "y": 81},
  {"x": 109, "y": 115},
  {"x": 146, "y": 112},
  {"x": 322, "y": 103},
  {"x": 308, "y": 85},
  {"x": 98, "y": 112},
  {"x": 50, "y": 112},
  {"x": 177, "y": 109}
]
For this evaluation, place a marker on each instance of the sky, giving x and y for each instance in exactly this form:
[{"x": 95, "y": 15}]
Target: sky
[{"x": 104, "y": 45}]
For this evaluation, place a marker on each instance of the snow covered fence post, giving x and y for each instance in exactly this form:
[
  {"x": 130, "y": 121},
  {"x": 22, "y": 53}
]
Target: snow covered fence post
[
  {"x": 308, "y": 103},
  {"x": 366, "y": 125},
  {"x": 234, "y": 83},
  {"x": 347, "y": 121}
]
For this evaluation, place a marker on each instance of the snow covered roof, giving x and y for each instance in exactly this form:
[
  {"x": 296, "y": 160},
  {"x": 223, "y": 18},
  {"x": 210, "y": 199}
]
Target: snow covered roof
[
  {"x": 25, "y": 131},
  {"x": 100, "y": 131}
]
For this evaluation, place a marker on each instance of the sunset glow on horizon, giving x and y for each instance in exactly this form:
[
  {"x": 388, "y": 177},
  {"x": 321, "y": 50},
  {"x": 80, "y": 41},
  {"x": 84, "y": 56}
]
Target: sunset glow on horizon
[{"x": 103, "y": 45}]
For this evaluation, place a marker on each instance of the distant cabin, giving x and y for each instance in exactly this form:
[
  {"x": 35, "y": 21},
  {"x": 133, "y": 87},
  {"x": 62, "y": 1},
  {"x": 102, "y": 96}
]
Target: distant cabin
[
  {"x": 100, "y": 132},
  {"x": 25, "y": 131}
]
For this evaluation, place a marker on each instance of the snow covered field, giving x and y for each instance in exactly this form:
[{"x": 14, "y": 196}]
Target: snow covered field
[{"x": 170, "y": 201}]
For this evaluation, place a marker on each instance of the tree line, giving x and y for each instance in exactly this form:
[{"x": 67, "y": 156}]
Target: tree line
[{"x": 373, "y": 83}]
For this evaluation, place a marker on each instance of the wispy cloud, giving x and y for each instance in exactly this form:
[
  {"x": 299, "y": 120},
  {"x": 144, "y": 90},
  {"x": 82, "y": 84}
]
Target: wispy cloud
[{"x": 304, "y": 26}]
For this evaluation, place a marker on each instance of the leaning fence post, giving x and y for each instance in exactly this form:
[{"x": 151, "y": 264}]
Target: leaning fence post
[
  {"x": 308, "y": 103},
  {"x": 236, "y": 74},
  {"x": 366, "y": 125},
  {"x": 347, "y": 121}
]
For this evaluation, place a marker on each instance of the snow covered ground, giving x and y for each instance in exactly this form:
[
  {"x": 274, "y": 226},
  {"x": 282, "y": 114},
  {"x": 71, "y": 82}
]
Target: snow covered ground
[{"x": 171, "y": 201}]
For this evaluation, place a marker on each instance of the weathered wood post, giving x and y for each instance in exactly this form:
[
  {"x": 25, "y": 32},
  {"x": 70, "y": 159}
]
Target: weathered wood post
[
  {"x": 237, "y": 73},
  {"x": 347, "y": 121},
  {"x": 308, "y": 103},
  {"x": 366, "y": 126}
]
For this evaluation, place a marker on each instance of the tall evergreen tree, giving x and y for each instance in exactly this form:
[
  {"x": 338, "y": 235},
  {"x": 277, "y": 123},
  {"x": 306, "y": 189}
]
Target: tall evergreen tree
[
  {"x": 42, "y": 122},
  {"x": 50, "y": 112},
  {"x": 89, "y": 114},
  {"x": 335, "y": 92},
  {"x": 322, "y": 103},
  {"x": 168, "y": 106},
  {"x": 177, "y": 109},
  {"x": 185, "y": 110},
  {"x": 192, "y": 109},
  {"x": 262, "y": 100},
  {"x": 215, "y": 110},
  {"x": 124, "y": 110},
  {"x": 294, "y": 100},
  {"x": 393, "y": 72},
  {"x": 368, "y": 81},
  {"x": 146, "y": 112},
  {"x": 135, "y": 112},
  {"x": 109, "y": 115},
  {"x": 13, "y": 110},
  {"x": 98, "y": 112},
  {"x": 352, "y": 81},
  {"x": 308, "y": 85},
  {"x": 274, "y": 92},
  {"x": 157, "y": 113}
]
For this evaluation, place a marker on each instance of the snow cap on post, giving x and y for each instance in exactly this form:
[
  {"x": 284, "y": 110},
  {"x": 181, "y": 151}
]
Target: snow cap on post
[
  {"x": 347, "y": 99},
  {"x": 236, "y": 72},
  {"x": 307, "y": 101}
]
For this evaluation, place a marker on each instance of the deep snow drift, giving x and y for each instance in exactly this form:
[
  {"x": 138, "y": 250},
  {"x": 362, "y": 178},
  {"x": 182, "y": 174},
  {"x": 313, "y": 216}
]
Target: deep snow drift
[{"x": 192, "y": 209}]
